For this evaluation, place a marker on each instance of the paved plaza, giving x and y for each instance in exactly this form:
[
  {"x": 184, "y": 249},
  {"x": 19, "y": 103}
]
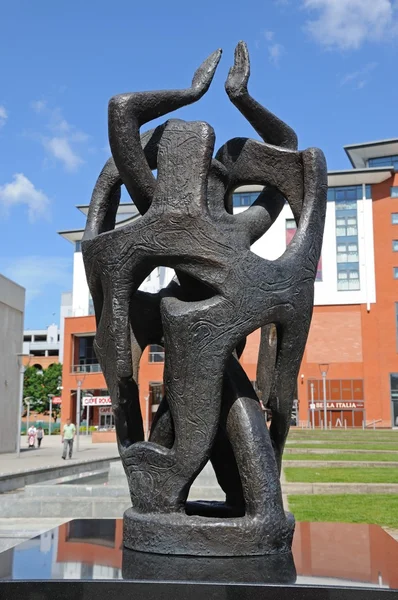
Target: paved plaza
[{"x": 49, "y": 455}]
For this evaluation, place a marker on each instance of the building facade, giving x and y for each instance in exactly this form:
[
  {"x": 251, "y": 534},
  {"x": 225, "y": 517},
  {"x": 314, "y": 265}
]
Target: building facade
[
  {"x": 12, "y": 307},
  {"x": 353, "y": 338},
  {"x": 41, "y": 347}
]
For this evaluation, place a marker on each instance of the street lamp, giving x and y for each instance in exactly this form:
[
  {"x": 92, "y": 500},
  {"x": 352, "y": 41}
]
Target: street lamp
[
  {"x": 312, "y": 405},
  {"x": 78, "y": 398},
  {"x": 79, "y": 381},
  {"x": 324, "y": 368},
  {"x": 50, "y": 397},
  {"x": 88, "y": 395}
]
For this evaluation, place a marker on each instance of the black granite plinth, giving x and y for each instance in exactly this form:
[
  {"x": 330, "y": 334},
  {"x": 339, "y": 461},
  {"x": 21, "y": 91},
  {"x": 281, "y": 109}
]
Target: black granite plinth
[
  {"x": 86, "y": 559},
  {"x": 149, "y": 590}
]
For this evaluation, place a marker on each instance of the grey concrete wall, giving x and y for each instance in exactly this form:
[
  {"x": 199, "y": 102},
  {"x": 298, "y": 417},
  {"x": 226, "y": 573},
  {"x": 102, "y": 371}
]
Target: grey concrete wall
[{"x": 12, "y": 303}]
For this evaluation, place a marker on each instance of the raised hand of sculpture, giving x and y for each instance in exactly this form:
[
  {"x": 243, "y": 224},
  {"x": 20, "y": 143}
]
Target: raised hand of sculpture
[{"x": 222, "y": 292}]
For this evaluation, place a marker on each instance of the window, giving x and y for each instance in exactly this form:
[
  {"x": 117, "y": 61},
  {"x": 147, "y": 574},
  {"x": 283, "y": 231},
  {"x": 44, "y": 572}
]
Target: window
[
  {"x": 27, "y": 338},
  {"x": 90, "y": 305},
  {"x": 156, "y": 353},
  {"x": 107, "y": 421},
  {"x": 384, "y": 161},
  {"x": 395, "y": 272},
  {"x": 394, "y": 192},
  {"x": 348, "y": 194},
  {"x": 395, "y": 245},
  {"x": 394, "y": 398},
  {"x": 244, "y": 198},
  {"x": 347, "y": 247},
  {"x": 38, "y": 352},
  {"x": 40, "y": 338},
  {"x": 347, "y": 252},
  {"x": 394, "y": 218},
  {"x": 348, "y": 280},
  {"x": 78, "y": 246}
]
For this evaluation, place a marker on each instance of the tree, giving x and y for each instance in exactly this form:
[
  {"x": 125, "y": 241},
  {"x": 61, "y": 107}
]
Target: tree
[
  {"x": 52, "y": 379},
  {"x": 33, "y": 388},
  {"x": 39, "y": 384}
]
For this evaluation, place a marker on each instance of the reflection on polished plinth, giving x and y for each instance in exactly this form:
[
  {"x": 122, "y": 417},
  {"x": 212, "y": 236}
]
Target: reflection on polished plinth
[{"x": 324, "y": 554}]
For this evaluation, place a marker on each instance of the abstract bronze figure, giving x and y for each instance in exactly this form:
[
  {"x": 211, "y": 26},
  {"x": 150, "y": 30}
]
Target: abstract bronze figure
[{"x": 221, "y": 293}]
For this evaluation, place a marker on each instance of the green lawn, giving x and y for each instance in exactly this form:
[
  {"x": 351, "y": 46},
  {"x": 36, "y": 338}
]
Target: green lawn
[
  {"x": 344, "y": 445},
  {"x": 380, "y": 509},
  {"x": 336, "y": 434},
  {"x": 343, "y": 457},
  {"x": 341, "y": 474}
]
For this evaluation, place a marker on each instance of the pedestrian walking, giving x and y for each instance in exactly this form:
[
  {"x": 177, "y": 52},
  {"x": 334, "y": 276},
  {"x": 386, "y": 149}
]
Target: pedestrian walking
[
  {"x": 31, "y": 436},
  {"x": 39, "y": 435},
  {"x": 68, "y": 435}
]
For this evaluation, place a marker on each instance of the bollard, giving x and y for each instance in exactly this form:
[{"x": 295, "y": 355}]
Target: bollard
[{"x": 345, "y": 424}]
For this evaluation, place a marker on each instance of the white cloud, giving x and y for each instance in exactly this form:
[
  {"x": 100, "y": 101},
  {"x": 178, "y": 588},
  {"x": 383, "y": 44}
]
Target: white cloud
[
  {"x": 3, "y": 115},
  {"x": 39, "y": 105},
  {"x": 347, "y": 24},
  {"x": 37, "y": 273},
  {"x": 358, "y": 79},
  {"x": 61, "y": 144},
  {"x": 269, "y": 35},
  {"x": 60, "y": 148},
  {"x": 276, "y": 51},
  {"x": 22, "y": 191}
]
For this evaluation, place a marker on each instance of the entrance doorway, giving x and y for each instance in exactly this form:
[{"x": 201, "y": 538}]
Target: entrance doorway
[
  {"x": 394, "y": 398},
  {"x": 338, "y": 418}
]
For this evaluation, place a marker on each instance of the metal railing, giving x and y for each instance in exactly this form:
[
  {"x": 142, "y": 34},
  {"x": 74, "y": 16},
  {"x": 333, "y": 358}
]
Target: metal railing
[{"x": 95, "y": 368}]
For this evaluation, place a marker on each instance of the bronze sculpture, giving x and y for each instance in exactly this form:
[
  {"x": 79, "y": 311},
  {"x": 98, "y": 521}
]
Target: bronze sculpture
[{"x": 221, "y": 293}]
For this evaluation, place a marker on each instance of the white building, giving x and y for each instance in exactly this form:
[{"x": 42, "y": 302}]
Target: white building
[
  {"x": 12, "y": 306},
  {"x": 42, "y": 342}
]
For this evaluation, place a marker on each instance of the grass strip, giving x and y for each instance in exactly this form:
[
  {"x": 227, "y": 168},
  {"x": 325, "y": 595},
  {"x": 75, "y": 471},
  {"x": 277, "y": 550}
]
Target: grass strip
[
  {"x": 343, "y": 457},
  {"x": 341, "y": 475},
  {"x": 378, "y": 509}
]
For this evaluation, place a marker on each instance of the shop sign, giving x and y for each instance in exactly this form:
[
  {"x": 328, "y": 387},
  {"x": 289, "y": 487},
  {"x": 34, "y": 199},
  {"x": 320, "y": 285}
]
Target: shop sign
[
  {"x": 105, "y": 410},
  {"x": 56, "y": 400},
  {"x": 340, "y": 405},
  {"x": 97, "y": 401}
]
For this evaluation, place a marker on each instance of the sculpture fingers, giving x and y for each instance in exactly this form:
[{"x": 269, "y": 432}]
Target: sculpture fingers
[
  {"x": 204, "y": 74},
  {"x": 239, "y": 73}
]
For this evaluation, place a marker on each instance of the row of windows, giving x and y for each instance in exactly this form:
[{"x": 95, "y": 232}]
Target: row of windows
[
  {"x": 384, "y": 161},
  {"x": 244, "y": 199},
  {"x": 348, "y": 192},
  {"x": 336, "y": 194},
  {"x": 347, "y": 248}
]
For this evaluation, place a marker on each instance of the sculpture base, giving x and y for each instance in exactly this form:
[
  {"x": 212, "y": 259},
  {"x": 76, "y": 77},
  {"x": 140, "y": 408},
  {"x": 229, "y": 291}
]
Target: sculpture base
[{"x": 203, "y": 532}]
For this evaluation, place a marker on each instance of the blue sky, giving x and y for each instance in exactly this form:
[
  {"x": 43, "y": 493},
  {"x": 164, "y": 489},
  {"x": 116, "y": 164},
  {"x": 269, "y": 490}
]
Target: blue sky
[{"x": 327, "y": 67}]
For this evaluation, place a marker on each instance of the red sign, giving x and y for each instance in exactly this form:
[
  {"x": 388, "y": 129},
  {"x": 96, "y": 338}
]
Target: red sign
[
  {"x": 97, "y": 401},
  {"x": 340, "y": 405},
  {"x": 57, "y": 400}
]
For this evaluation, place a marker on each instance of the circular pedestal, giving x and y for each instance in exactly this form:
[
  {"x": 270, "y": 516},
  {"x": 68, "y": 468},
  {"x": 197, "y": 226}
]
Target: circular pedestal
[{"x": 182, "y": 534}]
